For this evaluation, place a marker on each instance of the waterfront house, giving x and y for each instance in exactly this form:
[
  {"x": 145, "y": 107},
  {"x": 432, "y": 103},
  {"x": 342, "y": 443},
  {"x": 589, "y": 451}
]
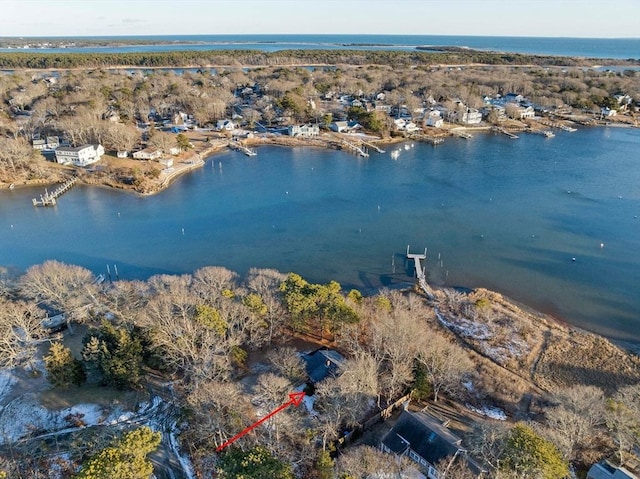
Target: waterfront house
[
  {"x": 322, "y": 363},
  {"x": 434, "y": 119},
  {"x": 605, "y": 470},
  {"x": 225, "y": 125},
  {"x": 80, "y": 155},
  {"x": 147, "y": 154},
  {"x": 306, "y": 131},
  {"x": 607, "y": 112},
  {"x": 338, "y": 126},
  {"x": 427, "y": 442}
]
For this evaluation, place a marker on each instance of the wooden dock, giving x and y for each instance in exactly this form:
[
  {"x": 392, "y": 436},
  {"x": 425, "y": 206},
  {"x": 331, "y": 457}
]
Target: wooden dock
[
  {"x": 420, "y": 272},
  {"x": 432, "y": 140},
  {"x": 373, "y": 147},
  {"x": 554, "y": 124},
  {"x": 234, "y": 145},
  {"x": 505, "y": 132},
  {"x": 356, "y": 149},
  {"x": 49, "y": 199},
  {"x": 461, "y": 134}
]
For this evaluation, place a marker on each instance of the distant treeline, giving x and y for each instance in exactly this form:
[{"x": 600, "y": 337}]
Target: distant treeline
[{"x": 420, "y": 57}]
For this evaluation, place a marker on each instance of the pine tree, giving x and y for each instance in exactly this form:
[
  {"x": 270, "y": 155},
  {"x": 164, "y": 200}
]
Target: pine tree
[
  {"x": 125, "y": 459},
  {"x": 62, "y": 368}
]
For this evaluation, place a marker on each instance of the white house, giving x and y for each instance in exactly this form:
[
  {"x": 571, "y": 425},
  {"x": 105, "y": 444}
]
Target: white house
[
  {"x": 122, "y": 153},
  {"x": 306, "y": 131},
  {"x": 50, "y": 144},
  {"x": 225, "y": 125},
  {"x": 147, "y": 154},
  {"x": 606, "y": 111},
  {"x": 469, "y": 116},
  {"x": 434, "y": 119},
  {"x": 80, "y": 155},
  {"x": 339, "y": 126}
]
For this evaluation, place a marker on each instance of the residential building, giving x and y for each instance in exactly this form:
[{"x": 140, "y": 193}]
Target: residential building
[
  {"x": 606, "y": 111},
  {"x": 605, "y": 470},
  {"x": 122, "y": 153},
  {"x": 434, "y": 119},
  {"x": 308, "y": 130},
  {"x": 147, "y": 154},
  {"x": 225, "y": 125},
  {"x": 427, "y": 442},
  {"x": 50, "y": 144},
  {"x": 322, "y": 363},
  {"x": 339, "y": 126},
  {"x": 80, "y": 155},
  {"x": 468, "y": 116}
]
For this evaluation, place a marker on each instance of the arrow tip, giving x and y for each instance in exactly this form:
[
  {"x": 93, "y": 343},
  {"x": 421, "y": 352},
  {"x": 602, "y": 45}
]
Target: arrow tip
[{"x": 296, "y": 398}]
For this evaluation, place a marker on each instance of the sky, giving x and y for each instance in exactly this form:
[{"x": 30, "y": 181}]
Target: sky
[{"x": 542, "y": 18}]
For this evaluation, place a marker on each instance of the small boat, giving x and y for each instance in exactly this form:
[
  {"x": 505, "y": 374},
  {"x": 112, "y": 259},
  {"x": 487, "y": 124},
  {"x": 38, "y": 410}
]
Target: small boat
[
  {"x": 395, "y": 154},
  {"x": 12, "y": 186}
]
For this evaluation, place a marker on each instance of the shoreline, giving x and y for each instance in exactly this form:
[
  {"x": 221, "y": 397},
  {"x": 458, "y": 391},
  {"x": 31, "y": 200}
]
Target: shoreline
[{"x": 327, "y": 140}]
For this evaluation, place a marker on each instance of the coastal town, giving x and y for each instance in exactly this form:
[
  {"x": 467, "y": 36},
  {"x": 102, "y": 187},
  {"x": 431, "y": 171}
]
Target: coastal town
[
  {"x": 138, "y": 129},
  {"x": 216, "y": 375}
]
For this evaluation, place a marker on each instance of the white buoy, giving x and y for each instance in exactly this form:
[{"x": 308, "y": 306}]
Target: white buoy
[
  {"x": 183, "y": 231},
  {"x": 601, "y": 245},
  {"x": 573, "y": 259}
]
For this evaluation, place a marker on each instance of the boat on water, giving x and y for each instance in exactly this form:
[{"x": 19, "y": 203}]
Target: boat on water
[
  {"x": 395, "y": 154},
  {"x": 12, "y": 186}
]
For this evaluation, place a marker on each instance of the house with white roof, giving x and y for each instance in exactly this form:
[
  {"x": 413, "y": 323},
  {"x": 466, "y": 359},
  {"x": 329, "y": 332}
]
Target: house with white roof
[{"x": 79, "y": 155}]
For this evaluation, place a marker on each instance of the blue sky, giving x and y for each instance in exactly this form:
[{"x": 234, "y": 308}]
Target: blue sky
[{"x": 556, "y": 18}]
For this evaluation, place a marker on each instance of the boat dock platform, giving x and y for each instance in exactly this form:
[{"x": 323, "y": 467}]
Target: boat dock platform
[
  {"x": 373, "y": 147},
  {"x": 234, "y": 145},
  {"x": 461, "y": 134},
  {"x": 505, "y": 132},
  {"x": 558, "y": 125},
  {"x": 356, "y": 149},
  {"x": 49, "y": 199},
  {"x": 420, "y": 271}
]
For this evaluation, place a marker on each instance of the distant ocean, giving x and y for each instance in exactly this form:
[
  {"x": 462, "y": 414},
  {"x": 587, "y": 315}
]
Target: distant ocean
[{"x": 620, "y": 48}]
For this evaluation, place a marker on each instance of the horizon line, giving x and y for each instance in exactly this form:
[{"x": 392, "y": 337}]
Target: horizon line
[{"x": 125, "y": 35}]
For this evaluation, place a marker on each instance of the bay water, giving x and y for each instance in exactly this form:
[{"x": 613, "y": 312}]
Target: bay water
[{"x": 551, "y": 222}]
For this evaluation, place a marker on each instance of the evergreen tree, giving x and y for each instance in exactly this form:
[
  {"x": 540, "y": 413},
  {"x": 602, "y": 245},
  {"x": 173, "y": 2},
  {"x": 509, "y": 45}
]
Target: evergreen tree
[
  {"x": 114, "y": 355},
  {"x": 125, "y": 458},
  {"x": 256, "y": 463},
  {"x": 62, "y": 368},
  {"x": 533, "y": 456}
]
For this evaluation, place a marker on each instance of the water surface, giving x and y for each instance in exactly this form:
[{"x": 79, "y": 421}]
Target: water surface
[{"x": 508, "y": 215}]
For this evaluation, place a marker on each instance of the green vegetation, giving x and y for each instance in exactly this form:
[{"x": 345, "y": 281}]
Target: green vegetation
[
  {"x": 113, "y": 356},
  {"x": 282, "y": 57},
  {"x": 126, "y": 458},
  {"x": 63, "y": 369},
  {"x": 256, "y": 463},
  {"x": 533, "y": 456}
]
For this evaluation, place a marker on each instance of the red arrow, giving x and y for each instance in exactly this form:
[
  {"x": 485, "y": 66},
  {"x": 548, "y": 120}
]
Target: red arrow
[{"x": 294, "y": 398}]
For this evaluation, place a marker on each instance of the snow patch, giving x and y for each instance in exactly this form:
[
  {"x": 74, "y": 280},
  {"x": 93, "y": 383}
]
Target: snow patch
[
  {"x": 7, "y": 380},
  {"x": 489, "y": 411}
]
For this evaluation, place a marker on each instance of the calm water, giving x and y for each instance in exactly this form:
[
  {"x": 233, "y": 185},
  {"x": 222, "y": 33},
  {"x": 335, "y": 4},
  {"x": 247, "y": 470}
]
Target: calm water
[
  {"x": 504, "y": 214},
  {"x": 623, "y": 48}
]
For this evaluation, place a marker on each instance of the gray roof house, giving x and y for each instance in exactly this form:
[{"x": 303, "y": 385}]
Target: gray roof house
[
  {"x": 604, "y": 470},
  {"x": 424, "y": 440},
  {"x": 322, "y": 363}
]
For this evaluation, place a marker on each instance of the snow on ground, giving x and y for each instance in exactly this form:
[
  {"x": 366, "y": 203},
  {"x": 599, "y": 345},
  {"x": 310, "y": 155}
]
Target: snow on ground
[
  {"x": 489, "y": 411},
  {"x": 24, "y": 416},
  {"x": 7, "y": 380}
]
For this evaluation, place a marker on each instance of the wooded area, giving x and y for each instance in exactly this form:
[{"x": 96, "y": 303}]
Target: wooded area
[{"x": 204, "y": 331}]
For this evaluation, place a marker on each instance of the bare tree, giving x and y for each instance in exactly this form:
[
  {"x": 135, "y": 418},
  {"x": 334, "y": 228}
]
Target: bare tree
[
  {"x": 20, "y": 332},
  {"x": 163, "y": 141},
  {"x": 445, "y": 363},
  {"x": 579, "y": 413},
  {"x": 364, "y": 462},
  {"x": 288, "y": 363},
  {"x": 67, "y": 288}
]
